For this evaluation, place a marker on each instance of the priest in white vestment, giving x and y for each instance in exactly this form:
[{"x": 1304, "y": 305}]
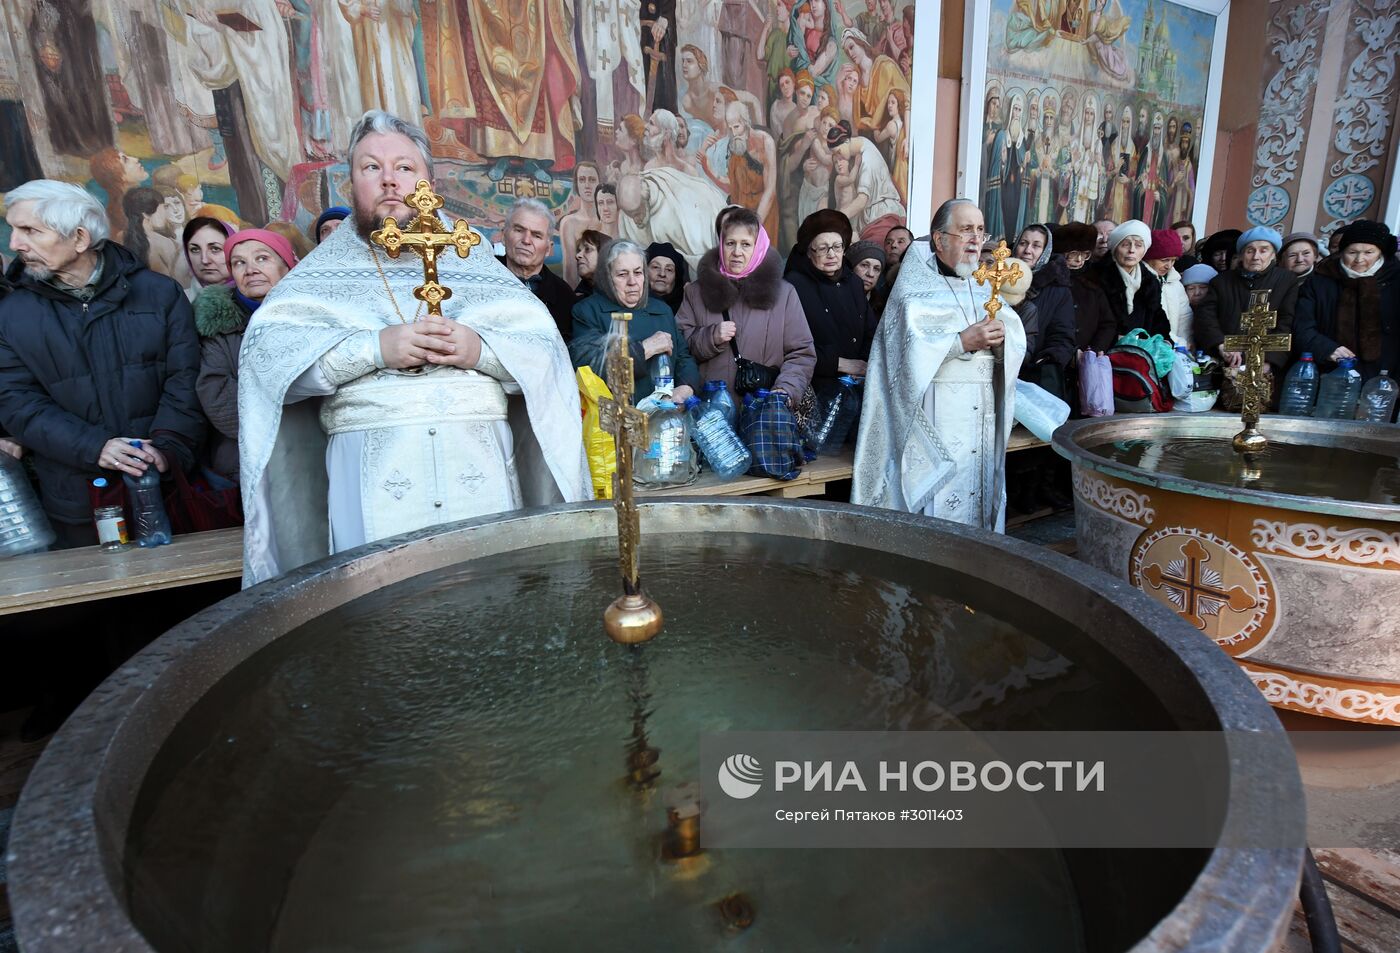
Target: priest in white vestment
[
  {"x": 939, "y": 396},
  {"x": 361, "y": 419}
]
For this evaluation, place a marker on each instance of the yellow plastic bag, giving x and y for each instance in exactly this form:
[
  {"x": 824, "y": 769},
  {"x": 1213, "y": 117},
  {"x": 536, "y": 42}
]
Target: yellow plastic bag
[{"x": 602, "y": 449}]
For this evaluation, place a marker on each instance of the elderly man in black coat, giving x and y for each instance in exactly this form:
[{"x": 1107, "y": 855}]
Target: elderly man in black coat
[{"x": 96, "y": 351}]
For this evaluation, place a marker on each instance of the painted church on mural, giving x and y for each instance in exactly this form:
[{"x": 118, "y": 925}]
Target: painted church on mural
[{"x": 616, "y": 114}]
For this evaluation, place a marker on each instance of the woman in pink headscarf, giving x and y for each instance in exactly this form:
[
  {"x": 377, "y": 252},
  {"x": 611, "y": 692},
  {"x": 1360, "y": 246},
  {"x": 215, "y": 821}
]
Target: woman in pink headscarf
[
  {"x": 257, "y": 259},
  {"x": 740, "y": 306}
]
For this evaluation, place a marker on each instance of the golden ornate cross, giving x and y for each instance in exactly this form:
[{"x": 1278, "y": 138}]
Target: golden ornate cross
[
  {"x": 632, "y": 618},
  {"x": 425, "y": 236},
  {"x": 1255, "y": 387},
  {"x": 996, "y": 276}
]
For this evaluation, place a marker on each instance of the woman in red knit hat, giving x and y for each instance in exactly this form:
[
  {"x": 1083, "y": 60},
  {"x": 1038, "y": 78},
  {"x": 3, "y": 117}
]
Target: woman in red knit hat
[{"x": 1161, "y": 260}]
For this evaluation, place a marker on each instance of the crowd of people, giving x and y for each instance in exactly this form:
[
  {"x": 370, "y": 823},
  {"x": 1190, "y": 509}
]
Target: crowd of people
[
  {"x": 299, "y": 374},
  {"x": 99, "y": 350}
]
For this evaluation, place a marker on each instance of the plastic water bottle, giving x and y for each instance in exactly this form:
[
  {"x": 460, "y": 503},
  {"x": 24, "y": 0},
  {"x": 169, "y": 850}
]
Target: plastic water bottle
[
  {"x": 1378, "y": 399},
  {"x": 725, "y": 402},
  {"x": 1299, "y": 388},
  {"x": 663, "y": 377},
  {"x": 668, "y": 459},
  {"x": 23, "y": 526},
  {"x": 147, "y": 508},
  {"x": 723, "y": 450},
  {"x": 1338, "y": 393},
  {"x": 842, "y": 411}
]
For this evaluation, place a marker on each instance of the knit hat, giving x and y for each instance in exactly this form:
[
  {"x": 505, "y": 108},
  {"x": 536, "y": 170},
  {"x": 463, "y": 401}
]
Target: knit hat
[
  {"x": 1166, "y": 243},
  {"x": 1201, "y": 274},
  {"x": 823, "y": 220},
  {"x": 272, "y": 240},
  {"x": 1131, "y": 227},
  {"x": 1014, "y": 292},
  {"x": 335, "y": 213},
  {"x": 1075, "y": 236},
  {"x": 1302, "y": 237},
  {"x": 1363, "y": 230},
  {"x": 863, "y": 250},
  {"x": 1260, "y": 233}
]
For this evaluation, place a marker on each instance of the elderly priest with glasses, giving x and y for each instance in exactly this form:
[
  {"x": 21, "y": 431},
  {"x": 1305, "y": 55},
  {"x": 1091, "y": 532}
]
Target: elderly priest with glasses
[{"x": 938, "y": 396}]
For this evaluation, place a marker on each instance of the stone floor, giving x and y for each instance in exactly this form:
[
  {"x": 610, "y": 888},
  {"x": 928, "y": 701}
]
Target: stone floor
[{"x": 1354, "y": 790}]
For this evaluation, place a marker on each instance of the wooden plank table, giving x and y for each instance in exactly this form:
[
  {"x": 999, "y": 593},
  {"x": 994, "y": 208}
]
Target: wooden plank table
[{"x": 66, "y": 577}]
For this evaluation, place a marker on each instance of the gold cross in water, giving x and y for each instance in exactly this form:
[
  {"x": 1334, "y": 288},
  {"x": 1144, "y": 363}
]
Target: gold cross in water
[
  {"x": 1255, "y": 387},
  {"x": 633, "y": 617},
  {"x": 996, "y": 276},
  {"x": 425, "y": 236}
]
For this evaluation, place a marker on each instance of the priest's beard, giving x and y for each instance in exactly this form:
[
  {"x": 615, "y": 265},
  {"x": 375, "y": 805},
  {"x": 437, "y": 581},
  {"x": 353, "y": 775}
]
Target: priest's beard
[
  {"x": 964, "y": 269},
  {"x": 366, "y": 222}
]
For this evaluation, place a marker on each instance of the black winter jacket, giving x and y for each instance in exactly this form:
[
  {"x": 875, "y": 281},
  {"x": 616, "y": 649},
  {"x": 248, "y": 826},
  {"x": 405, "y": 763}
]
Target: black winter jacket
[
  {"x": 1219, "y": 312},
  {"x": 838, "y": 314},
  {"x": 1147, "y": 310},
  {"x": 75, "y": 374},
  {"x": 1055, "y": 306},
  {"x": 558, "y": 297},
  {"x": 1315, "y": 317}
]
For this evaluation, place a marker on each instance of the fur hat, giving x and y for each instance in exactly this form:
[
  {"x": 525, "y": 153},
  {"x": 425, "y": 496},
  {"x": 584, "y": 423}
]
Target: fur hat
[
  {"x": 1365, "y": 231},
  {"x": 823, "y": 220},
  {"x": 1223, "y": 240},
  {"x": 1075, "y": 236},
  {"x": 1166, "y": 243}
]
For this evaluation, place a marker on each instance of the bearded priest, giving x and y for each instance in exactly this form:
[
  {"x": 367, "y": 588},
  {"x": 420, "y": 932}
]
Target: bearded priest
[
  {"x": 362, "y": 417},
  {"x": 938, "y": 393}
]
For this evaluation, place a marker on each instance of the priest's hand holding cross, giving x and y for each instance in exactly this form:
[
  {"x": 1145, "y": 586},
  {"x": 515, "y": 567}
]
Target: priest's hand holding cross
[
  {"x": 990, "y": 331},
  {"x": 435, "y": 339}
]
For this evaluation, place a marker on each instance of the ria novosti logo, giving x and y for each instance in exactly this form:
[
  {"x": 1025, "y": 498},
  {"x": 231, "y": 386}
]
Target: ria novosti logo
[{"x": 740, "y": 776}]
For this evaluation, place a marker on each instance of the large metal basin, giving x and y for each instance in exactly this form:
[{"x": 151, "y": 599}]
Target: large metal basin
[
  {"x": 80, "y": 882},
  {"x": 1297, "y": 583}
]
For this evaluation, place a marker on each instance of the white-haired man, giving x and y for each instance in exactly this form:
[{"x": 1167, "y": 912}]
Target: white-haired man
[
  {"x": 96, "y": 352},
  {"x": 527, "y": 240},
  {"x": 938, "y": 394},
  {"x": 419, "y": 422}
]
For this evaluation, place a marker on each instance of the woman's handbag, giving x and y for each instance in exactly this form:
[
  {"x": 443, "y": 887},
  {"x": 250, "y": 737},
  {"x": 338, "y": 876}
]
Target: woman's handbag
[{"x": 750, "y": 376}]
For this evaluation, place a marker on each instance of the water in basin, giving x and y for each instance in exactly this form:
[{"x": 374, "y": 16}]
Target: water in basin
[
  {"x": 1357, "y": 476},
  {"x": 438, "y": 766}
]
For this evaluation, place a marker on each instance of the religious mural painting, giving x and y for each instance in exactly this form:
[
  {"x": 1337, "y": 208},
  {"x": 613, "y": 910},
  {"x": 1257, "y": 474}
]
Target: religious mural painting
[
  {"x": 638, "y": 118},
  {"x": 1093, "y": 109}
]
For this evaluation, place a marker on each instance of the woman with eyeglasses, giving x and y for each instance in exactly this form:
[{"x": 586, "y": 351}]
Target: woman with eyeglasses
[{"x": 833, "y": 297}]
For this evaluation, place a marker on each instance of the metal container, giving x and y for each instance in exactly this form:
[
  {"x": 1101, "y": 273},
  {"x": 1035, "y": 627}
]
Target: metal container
[
  {"x": 103, "y": 785},
  {"x": 23, "y": 526},
  {"x": 1290, "y": 562}
]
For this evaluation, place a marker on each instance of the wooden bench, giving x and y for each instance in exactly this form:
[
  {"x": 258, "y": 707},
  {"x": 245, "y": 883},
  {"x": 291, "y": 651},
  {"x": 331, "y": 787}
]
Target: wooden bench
[
  {"x": 69, "y": 576},
  {"x": 45, "y": 580}
]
